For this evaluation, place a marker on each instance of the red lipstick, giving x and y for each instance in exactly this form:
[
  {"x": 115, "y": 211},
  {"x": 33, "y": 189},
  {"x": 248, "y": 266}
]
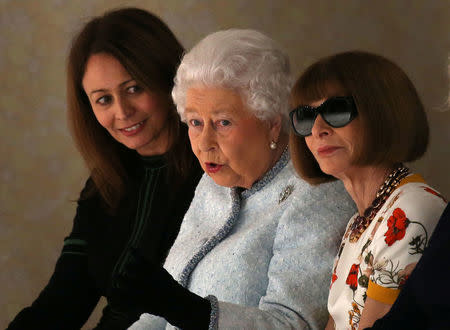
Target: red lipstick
[
  {"x": 212, "y": 167},
  {"x": 327, "y": 150}
]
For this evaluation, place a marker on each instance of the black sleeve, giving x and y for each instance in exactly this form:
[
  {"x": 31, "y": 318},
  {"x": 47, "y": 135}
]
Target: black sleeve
[
  {"x": 148, "y": 287},
  {"x": 70, "y": 296}
]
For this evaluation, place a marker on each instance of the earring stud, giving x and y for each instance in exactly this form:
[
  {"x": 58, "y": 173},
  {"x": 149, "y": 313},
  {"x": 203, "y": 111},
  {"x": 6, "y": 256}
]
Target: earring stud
[{"x": 273, "y": 145}]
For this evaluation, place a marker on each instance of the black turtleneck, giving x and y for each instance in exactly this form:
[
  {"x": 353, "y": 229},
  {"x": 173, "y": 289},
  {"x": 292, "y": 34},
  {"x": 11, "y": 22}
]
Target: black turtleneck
[{"x": 99, "y": 247}]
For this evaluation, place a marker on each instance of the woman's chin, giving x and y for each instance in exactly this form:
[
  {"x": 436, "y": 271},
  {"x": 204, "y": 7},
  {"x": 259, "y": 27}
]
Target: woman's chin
[
  {"x": 223, "y": 181},
  {"x": 332, "y": 168},
  {"x": 220, "y": 181}
]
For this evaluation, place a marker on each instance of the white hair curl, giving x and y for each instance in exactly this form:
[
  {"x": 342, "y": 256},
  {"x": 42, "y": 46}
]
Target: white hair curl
[{"x": 243, "y": 60}]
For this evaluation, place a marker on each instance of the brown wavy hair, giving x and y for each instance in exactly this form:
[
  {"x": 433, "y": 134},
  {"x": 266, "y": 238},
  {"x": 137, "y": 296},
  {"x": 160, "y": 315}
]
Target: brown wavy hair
[
  {"x": 393, "y": 119},
  {"x": 150, "y": 52}
]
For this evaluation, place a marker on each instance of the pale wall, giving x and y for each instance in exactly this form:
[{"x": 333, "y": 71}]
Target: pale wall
[{"x": 40, "y": 171}]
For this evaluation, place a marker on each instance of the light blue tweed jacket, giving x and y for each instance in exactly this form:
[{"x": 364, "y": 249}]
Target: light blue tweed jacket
[{"x": 264, "y": 256}]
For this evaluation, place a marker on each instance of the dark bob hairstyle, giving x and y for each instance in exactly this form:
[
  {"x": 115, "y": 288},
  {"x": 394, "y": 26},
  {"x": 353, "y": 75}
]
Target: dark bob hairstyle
[
  {"x": 393, "y": 120},
  {"x": 150, "y": 52}
]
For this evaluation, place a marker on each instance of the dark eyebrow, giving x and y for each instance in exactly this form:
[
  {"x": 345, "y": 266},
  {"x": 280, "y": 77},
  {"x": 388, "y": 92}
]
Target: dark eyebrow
[
  {"x": 126, "y": 82},
  {"x": 101, "y": 90}
]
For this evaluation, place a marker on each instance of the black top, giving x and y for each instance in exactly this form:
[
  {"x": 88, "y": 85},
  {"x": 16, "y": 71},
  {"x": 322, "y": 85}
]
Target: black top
[
  {"x": 100, "y": 245},
  {"x": 423, "y": 302}
]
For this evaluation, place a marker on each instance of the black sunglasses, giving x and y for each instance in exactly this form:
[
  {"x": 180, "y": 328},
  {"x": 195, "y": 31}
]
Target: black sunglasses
[{"x": 336, "y": 111}]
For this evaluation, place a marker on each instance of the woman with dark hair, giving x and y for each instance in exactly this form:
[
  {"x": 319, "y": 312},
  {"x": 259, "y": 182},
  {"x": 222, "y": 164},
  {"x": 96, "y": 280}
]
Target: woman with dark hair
[
  {"x": 358, "y": 117},
  {"x": 143, "y": 173}
]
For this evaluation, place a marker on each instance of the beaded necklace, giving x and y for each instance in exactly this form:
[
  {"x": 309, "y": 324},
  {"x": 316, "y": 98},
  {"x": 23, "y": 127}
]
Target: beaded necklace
[{"x": 361, "y": 223}]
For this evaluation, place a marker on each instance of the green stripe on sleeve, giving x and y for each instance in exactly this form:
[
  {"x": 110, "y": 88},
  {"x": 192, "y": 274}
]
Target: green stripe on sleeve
[{"x": 74, "y": 241}]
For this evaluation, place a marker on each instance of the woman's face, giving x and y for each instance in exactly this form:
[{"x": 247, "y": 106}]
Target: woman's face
[
  {"x": 231, "y": 144},
  {"x": 334, "y": 148},
  {"x": 133, "y": 115}
]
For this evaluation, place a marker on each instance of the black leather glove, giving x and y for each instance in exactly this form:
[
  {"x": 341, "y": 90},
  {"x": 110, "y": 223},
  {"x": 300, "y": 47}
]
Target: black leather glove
[{"x": 148, "y": 287}]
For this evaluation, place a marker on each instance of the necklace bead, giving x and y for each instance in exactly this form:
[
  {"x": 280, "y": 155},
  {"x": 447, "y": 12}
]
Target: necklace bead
[{"x": 361, "y": 223}]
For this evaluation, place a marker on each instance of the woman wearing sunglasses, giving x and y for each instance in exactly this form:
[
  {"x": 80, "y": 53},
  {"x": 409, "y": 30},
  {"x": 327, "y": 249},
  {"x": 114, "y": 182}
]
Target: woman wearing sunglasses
[{"x": 358, "y": 118}]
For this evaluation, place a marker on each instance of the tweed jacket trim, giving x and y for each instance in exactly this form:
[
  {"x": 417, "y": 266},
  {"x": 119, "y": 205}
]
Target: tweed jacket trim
[{"x": 236, "y": 205}]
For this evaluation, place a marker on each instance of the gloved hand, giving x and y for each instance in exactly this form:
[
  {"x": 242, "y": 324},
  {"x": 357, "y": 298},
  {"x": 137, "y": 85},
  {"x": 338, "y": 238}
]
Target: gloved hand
[{"x": 148, "y": 287}]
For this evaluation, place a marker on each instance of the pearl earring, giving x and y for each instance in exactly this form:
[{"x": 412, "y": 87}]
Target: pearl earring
[{"x": 273, "y": 145}]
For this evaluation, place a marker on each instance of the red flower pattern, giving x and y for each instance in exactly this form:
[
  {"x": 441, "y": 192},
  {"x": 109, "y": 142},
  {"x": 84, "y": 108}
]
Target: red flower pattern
[
  {"x": 352, "y": 278},
  {"x": 397, "y": 224},
  {"x": 333, "y": 278}
]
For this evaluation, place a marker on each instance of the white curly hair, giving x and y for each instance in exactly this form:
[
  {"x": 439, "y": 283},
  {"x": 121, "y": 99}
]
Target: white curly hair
[{"x": 246, "y": 61}]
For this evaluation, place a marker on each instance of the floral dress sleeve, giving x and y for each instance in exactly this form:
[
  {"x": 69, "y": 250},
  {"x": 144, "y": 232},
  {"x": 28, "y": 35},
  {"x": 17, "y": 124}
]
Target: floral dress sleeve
[{"x": 405, "y": 226}]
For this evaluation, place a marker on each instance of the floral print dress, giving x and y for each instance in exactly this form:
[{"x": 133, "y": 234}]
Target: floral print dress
[{"x": 379, "y": 263}]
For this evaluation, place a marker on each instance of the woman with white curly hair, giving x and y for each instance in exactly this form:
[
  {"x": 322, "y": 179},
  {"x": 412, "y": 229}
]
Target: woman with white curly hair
[{"x": 257, "y": 241}]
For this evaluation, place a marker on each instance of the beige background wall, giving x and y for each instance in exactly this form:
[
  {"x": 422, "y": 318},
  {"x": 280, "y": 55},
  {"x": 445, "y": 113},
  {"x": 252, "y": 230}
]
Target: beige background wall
[{"x": 41, "y": 172}]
